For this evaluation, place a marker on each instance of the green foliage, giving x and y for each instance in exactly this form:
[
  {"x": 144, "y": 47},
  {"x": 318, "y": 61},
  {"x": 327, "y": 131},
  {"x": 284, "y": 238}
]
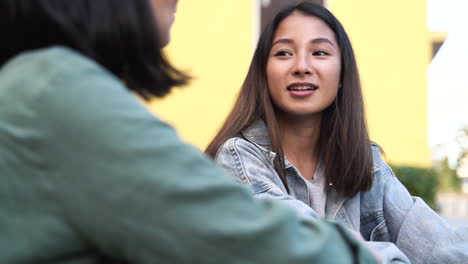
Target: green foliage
[
  {"x": 448, "y": 179},
  {"x": 420, "y": 182}
]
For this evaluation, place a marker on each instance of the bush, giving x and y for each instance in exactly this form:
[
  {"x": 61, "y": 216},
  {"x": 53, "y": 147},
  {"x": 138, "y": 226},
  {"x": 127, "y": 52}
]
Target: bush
[
  {"x": 420, "y": 182},
  {"x": 448, "y": 179}
]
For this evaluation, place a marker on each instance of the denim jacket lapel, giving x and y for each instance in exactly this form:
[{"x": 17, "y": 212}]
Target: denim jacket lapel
[
  {"x": 342, "y": 210},
  {"x": 346, "y": 211}
]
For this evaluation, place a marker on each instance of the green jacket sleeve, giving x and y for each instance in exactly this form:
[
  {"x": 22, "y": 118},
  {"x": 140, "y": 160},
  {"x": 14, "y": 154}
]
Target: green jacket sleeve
[{"x": 131, "y": 189}]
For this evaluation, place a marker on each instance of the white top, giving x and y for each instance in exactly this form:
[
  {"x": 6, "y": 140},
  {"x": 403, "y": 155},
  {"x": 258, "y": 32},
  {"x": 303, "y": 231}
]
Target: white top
[{"x": 317, "y": 194}]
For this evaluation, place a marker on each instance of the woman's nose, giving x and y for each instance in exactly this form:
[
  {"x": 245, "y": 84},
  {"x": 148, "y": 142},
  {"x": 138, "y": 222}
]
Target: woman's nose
[{"x": 302, "y": 66}]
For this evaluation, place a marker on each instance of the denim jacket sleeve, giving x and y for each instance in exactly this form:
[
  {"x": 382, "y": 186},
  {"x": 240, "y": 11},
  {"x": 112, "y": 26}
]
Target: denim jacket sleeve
[
  {"x": 424, "y": 236},
  {"x": 250, "y": 165}
]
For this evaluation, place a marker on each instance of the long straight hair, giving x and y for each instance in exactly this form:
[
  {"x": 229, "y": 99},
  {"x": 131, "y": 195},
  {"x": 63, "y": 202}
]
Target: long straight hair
[
  {"x": 343, "y": 144},
  {"x": 121, "y": 35}
]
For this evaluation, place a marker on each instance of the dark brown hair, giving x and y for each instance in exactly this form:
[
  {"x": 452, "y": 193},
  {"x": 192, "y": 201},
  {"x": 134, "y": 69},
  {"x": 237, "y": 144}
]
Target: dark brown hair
[
  {"x": 120, "y": 35},
  {"x": 343, "y": 145}
]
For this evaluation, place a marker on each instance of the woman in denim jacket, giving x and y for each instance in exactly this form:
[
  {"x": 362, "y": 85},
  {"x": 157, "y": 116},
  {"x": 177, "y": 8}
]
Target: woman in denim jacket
[{"x": 297, "y": 133}]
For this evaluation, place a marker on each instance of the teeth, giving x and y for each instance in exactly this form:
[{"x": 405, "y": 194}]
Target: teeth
[{"x": 302, "y": 88}]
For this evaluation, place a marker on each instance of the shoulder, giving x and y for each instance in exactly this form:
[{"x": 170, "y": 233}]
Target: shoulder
[
  {"x": 73, "y": 95},
  {"x": 77, "y": 84},
  {"x": 379, "y": 165},
  {"x": 50, "y": 61},
  {"x": 238, "y": 152},
  {"x": 35, "y": 72},
  {"x": 248, "y": 163},
  {"x": 382, "y": 172},
  {"x": 239, "y": 148},
  {"x": 61, "y": 88}
]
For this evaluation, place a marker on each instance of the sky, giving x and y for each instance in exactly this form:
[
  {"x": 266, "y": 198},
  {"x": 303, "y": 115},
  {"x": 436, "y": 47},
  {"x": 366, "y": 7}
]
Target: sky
[{"x": 448, "y": 76}]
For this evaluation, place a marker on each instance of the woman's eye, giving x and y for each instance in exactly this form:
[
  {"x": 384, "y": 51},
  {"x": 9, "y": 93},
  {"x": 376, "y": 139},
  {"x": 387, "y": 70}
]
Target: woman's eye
[
  {"x": 282, "y": 53},
  {"x": 320, "y": 53}
]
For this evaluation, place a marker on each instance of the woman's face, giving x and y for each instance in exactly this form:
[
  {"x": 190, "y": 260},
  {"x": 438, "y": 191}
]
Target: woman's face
[
  {"x": 164, "y": 11},
  {"x": 304, "y": 65}
]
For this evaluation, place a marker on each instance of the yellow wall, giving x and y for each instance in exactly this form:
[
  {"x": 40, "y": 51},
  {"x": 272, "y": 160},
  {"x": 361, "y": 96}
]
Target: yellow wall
[
  {"x": 391, "y": 43},
  {"x": 212, "y": 40}
]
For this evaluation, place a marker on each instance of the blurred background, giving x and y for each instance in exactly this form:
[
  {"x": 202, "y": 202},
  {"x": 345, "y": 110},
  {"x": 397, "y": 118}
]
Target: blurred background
[{"x": 412, "y": 57}]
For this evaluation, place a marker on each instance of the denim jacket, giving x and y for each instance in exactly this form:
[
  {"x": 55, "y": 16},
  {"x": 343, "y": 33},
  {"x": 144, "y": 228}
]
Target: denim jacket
[{"x": 387, "y": 212}]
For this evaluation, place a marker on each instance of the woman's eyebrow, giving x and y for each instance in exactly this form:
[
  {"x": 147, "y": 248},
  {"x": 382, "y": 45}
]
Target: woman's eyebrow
[
  {"x": 284, "y": 40},
  {"x": 314, "y": 41},
  {"x": 322, "y": 40}
]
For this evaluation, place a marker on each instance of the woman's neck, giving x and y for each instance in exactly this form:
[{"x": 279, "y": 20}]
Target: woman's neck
[{"x": 299, "y": 139}]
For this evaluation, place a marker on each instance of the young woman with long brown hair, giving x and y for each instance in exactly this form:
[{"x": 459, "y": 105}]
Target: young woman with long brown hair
[{"x": 297, "y": 133}]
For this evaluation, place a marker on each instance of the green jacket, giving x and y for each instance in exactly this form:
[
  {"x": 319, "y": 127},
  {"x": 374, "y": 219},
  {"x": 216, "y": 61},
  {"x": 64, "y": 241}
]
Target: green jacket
[{"x": 89, "y": 175}]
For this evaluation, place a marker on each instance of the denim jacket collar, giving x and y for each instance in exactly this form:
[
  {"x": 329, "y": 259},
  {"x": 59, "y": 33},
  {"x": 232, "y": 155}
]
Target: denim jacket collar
[{"x": 257, "y": 133}]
